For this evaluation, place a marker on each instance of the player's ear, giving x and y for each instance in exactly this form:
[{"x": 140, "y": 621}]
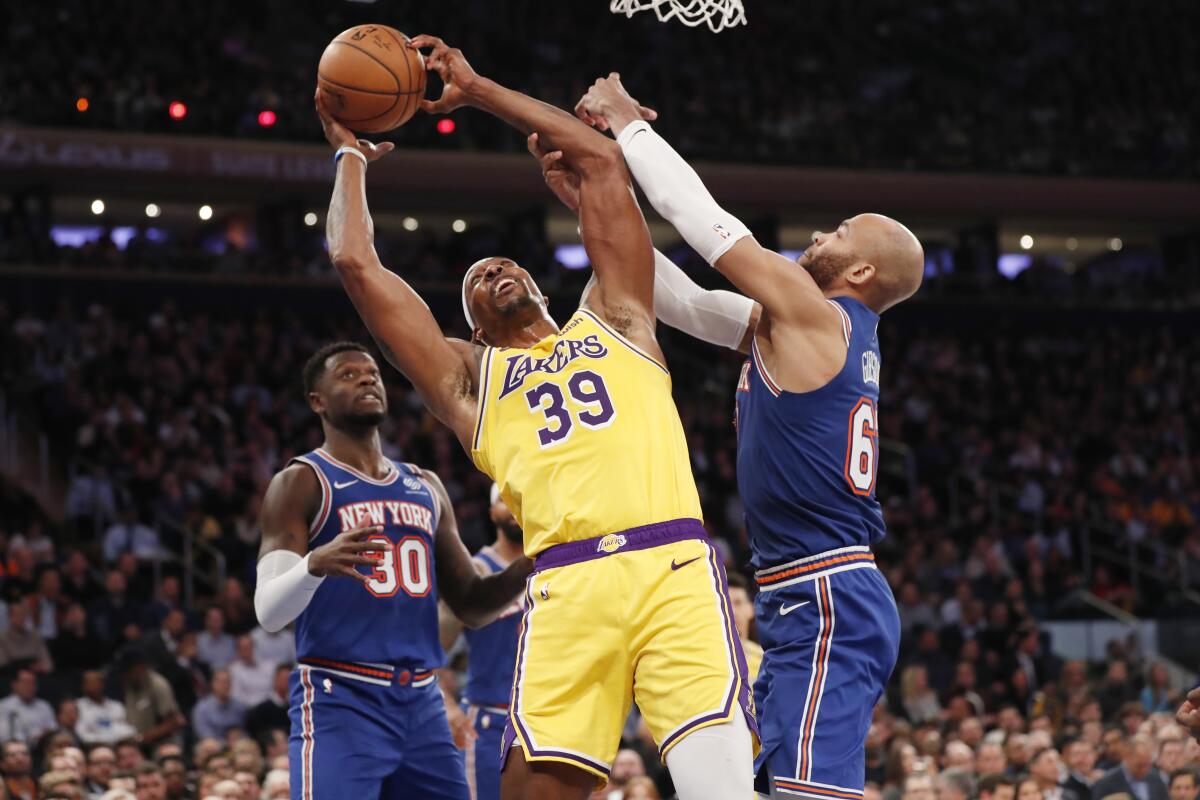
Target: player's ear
[
  {"x": 861, "y": 273},
  {"x": 315, "y": 402},
  {"x": 477, "y": 337}
]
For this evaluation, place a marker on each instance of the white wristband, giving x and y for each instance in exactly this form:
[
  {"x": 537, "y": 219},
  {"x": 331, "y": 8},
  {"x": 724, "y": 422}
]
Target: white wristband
[{"x": 352, "y": 150}]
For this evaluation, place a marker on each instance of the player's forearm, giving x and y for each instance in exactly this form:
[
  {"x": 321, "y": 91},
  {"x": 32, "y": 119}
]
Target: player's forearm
[
  {"x": 583, "y": 147},
  {"x": 676, "y": 192},
  {"x": 711, "y": 315},
  {"x": 349, "y": 230},
  {"x": 482, "y": 600}
]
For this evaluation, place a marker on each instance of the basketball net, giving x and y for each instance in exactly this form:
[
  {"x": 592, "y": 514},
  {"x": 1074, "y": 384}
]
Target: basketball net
[{"x": 719, "y": 14}]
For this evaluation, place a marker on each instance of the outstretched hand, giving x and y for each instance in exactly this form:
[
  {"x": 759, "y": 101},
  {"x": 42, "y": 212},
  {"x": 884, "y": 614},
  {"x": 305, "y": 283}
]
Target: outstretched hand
[
  {"x": 561, "y": 180},
  {"x": 607, "y": 105},
  {"x": 340, "y": 136},
  {"x": 458, "y": 76}
]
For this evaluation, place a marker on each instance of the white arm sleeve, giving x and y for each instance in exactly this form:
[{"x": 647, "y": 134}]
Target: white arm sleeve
[
  {"x": 714, "y": 316},
  {"x": 285, "y": 587},
  {"x": 676, "y": 192}
]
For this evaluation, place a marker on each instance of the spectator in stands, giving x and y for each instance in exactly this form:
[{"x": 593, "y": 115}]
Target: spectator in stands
[
  {"x": 159, "y": 645},
  {"x": 149, "y": 701},
  {"x": 272, "y": 713},
  {"x": 1171, "y": 757},
  {"x": 918, "y": 785},
  {"x": 1135, "y": 776},
  {"x": 217, "y": 713},
  {"x": 175, "y": 776},
  {"x": 102, "y": 720},
  {"x": 238, "y": 610},
  {"x": 17, "y": 768},
  {"x": 918, "y": 701},
  {"x": 46, "y": 602},
  {"x": 253, "y": 678},
  {"x": 129, "y": 755},
  {"x": 150, "y": 782},
  {"x": 215, "y": 646},
  {"x": 995, "y": 786},
  {"x": 23, "y": 715},
  {"x": 79, "y": 583},
  {"x": 275, "y": 786},
  {"x": 1045, "y": 768},
  {"x": 990, "y": 758},
  {"x": 101, "y": 763},
  {"x": 20, "y": 645},
  {"x": 1184, "y": 785},
  {"x": 167, "y": 598},
  {"x": 274, "y": 648},
  {"x": 76, "y": 648},
  {"x": 955, "y": 784},
  {"x": 1080, "y": 758},
  {"x": 115, "y": 612},
  {"x": 1157, "y": 694}
]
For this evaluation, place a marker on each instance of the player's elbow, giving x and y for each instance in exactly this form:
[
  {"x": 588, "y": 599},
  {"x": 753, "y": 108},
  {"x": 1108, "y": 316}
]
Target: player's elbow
[
  {"x": 348, "y": 261},
  {"x": 602, "y": 157}
]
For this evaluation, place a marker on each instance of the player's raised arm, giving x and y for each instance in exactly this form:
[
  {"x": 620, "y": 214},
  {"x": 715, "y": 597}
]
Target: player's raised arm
[
  {"x": 614, "y": 231},
  {"x": 787, "y": 291},
  {"x": 444, "y": 371},
  {"x": 715, "y": 316},
  {"x": 475, "y": 599}
]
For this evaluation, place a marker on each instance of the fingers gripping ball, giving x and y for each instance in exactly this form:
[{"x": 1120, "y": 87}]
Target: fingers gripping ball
[{"x": 370, "y": 79}]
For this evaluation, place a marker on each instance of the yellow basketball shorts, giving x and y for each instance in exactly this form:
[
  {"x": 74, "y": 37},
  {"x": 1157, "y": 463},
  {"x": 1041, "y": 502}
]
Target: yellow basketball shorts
[{"x": 639, "y": 615}]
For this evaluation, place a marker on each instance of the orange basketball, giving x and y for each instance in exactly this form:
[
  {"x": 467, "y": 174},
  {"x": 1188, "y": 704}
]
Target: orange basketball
[{"x": 371, "y": 79}]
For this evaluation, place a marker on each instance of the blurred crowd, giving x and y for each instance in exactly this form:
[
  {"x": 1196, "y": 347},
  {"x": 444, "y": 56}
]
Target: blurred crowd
[
  {"x": 1086, "y": 88},
  {"x": 1019, "y": 441}
]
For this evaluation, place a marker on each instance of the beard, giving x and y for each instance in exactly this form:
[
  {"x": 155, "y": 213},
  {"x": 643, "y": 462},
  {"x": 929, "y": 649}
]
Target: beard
[
  {"x": 827, "y": 268},
  {"x": 510, "y": 530},
  {"x": 362, "y": 419}
]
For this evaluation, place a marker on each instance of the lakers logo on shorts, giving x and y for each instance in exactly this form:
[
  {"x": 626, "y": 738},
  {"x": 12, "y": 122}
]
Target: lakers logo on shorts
[{"x": 611, "y": 543}]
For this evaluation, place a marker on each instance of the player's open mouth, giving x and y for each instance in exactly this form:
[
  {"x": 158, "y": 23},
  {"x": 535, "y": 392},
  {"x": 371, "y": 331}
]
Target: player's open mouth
[
  {"x": 370, "y": 396},
  {"x": 502, "y": 285}
]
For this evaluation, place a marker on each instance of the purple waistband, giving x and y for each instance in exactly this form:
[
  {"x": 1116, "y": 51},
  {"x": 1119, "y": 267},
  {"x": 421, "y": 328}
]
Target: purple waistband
[{"x": 641, "y": 538}]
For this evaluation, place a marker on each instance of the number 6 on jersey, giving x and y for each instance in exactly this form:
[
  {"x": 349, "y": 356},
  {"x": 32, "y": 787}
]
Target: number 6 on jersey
[{"x": 862, "y": 448}]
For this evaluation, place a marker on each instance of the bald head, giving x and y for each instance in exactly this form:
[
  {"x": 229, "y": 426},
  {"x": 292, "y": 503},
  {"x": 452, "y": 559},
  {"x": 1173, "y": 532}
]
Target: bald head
[
  {"x": 872, "y": 256},
  {"x": 897, "y": 256}
]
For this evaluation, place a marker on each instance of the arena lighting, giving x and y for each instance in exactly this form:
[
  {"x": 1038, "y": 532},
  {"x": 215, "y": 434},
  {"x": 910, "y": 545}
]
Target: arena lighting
[
  {"x": 177, "y": 110},
  {"x": 97, "y": 206},
  {"x": 459, "y": 225},
  {"x": 445, "y": 126},
  {"x": 410, "y": 223},
  {"x": 1072, "y": 243},
  {"x": 1026, "y": 242},
  {"x": 571, "y": 256},
  {"x": 152, "y": 210},
  {"x": 205, "y": 212},
  {"x": 310, "y": 219},
  {"x": 81, "y": 105},
  {"x": 266, "y": 118},
  {"x": 1115, "y": 244}
]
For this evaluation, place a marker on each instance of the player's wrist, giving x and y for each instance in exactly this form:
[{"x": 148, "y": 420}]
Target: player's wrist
[{"x": 352, "y": 151}]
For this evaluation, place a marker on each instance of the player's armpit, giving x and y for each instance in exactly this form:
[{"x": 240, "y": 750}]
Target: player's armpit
[{"x": 474, "y": 599}]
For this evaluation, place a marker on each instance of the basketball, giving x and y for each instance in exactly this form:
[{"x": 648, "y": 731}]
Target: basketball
[{"x": 371, "y": 79}]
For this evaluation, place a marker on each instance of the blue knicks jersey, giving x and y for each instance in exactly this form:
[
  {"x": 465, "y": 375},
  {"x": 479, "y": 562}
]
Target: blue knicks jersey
[
  {"x": 493, "y": 649},
  {"x": 391, "y": 619},
  {"x": 806, "y": 462}
]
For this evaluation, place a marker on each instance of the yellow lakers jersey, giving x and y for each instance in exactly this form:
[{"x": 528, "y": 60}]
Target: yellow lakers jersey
[{"x": 582, "y": 435}]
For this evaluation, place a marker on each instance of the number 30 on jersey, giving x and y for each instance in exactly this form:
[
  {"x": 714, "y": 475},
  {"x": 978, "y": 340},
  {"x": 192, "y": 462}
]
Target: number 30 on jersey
[
  {"x": 862, "y": 448},
  {"x": 404, "y": 565}
]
